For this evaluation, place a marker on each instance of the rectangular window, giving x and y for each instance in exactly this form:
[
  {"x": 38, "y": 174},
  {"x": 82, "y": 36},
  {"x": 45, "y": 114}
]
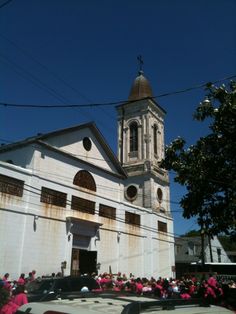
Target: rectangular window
[
  {"x": 53, "y": 197},
  {"x": 162, "y": 226},
  {"x": 107, "y": 211},
  {"x": 83, "y": 205},
  {"x": 132, "y": 219},
  {"x": 11, "y": 185}
]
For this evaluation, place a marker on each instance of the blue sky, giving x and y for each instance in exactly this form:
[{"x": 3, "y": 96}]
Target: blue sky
[{"x": 57, "y": 52}]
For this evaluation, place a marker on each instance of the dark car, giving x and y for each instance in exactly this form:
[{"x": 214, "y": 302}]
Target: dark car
[{"x": 47, "y": 289}]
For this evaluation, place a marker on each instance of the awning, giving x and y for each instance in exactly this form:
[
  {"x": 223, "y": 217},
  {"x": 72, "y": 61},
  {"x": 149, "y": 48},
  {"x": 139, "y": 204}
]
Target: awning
[{"x": 82, "y": 227}]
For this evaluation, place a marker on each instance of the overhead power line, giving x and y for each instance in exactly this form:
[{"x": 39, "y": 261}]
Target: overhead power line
[
  {"x": 33, "y": 191},
  {"x": 33, "y": 79},
  {"x": 5, "y": 3},
  {"x": 115, "y": 102},
  {"x": 27, "y": 75},
  {"x": 52, "y": 73}
]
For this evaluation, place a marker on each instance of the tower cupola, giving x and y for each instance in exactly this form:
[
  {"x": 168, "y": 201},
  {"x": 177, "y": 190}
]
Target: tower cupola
[{"x": 141, "y": 88}]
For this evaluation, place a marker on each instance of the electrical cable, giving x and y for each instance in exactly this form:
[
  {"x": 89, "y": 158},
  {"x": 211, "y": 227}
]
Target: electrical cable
[
  {"x": 69, "y": 180},
  {"x": 59, "y": 78},
  {"x": 36, "y": 81},
  {"x": 5, "y": 3},
  {"x": 51, "y": 72},
  {"x": 38, "y": 192},
  {"x": 108, "y": 161},
  {"x": 85, "y": 210},
  {"x": 100, "y": 159},
  {"x": 112, "y": 103},
  {"x": 68, "y": 202}
]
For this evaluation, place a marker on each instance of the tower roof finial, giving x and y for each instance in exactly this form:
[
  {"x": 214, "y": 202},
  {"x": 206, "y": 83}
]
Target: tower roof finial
[
  {"x": 140, "y": 61},
  {"x": 141, "y": 87}
]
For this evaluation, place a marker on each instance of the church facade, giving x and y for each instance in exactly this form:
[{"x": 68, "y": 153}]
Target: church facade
[{"x": 68, "y": 204}]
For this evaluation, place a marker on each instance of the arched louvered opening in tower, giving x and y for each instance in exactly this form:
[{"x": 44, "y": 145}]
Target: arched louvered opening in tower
[
  {"x": 133, "y": 139},
  {"x": 155, "y": 131}
]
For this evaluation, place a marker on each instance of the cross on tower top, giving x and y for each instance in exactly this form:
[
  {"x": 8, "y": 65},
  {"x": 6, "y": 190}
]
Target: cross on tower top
[{"x": 140, "y": 61}]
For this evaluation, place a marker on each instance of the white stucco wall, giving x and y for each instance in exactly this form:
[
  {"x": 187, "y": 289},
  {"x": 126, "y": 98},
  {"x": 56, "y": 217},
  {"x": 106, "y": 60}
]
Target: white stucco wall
[
  {"x": 73, "y": 143},
  {"x": 42, "y": 244},
  {"x": 215, "y": 246}
]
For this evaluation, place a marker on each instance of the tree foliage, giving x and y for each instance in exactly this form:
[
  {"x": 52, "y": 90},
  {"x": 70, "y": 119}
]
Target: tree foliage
[
  {"x": 208, "y": 168},
  {"x": 192, "y": 233},
  {"x": 227, "y": 243}
]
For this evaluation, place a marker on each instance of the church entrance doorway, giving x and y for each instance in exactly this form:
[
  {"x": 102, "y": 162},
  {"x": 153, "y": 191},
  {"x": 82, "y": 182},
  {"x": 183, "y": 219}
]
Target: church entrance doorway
[{"x": 83, "y": 262}]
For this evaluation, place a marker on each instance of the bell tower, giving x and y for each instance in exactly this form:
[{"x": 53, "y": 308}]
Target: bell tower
[{"x": 141, "y": 147}]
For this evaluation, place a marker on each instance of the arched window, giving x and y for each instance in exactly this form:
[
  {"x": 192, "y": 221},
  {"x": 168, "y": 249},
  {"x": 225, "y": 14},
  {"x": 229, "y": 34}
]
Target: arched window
[
  {"x": 85, "y": 180},
  {"x": 133, "y": 140},
  {"x": 155, "y": 130}
]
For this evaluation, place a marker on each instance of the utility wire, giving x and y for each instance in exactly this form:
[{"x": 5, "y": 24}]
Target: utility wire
[
  {"x": 102, "y": 187},
  {"x": 92, "y": 158},
  {"x": 36, "y": 81},
  {"x": 81, "y": 208},
  {"x": 5, "y": 3},
  {"x": 28, "y": 55},
  {"x": 115, "y": 102},
  {"x": 119, "y": 219},
  {"x": 69, "y": 180}
]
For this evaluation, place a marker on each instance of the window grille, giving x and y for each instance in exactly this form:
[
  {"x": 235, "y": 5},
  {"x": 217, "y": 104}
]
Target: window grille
[
  {"x": 85, "y": 180},
  {"x": 107, "y": 211},
  {"x": 53, "y": 197},
  {"x": 11, "y": 185},
  {"x": 162, "y": 226},
  {"x": 82, "y": 205},
  {"x": 131, "y": 218}
]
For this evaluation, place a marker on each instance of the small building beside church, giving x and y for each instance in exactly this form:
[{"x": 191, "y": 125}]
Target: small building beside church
[
  {"x": 188, "y": 256},
  {"x": 68, "y": 203}
]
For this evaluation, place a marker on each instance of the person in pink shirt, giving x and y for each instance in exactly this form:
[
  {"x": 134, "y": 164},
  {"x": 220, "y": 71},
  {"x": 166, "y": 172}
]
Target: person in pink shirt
[
  {"x": 139, "y": 286},
  {"x": 6, "y": 304},
  {"x": 191, "y": 288},
  {"x": 185, "y": 296},
  {"x": 6, "y": 277},
  {"x": 7, "y": 283},
  {"x": 212, "y": 281},
  {"x": 20, "y": 297},
  {"x": 116, "y": 288},
  {"x": 9, "y": 308},
  {"x": 21, "y": 280}
]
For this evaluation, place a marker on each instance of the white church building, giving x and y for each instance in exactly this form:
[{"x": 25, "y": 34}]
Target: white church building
[{"x": 67, "y": 203}]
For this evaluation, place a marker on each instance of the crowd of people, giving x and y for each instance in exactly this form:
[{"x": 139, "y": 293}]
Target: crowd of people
[
  {"x": 185, "y": 288},
  {"x": 13, "y": 294}
]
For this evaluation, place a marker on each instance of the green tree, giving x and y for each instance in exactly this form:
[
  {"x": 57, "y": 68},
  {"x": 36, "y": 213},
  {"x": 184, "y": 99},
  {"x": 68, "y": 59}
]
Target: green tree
[
  {"x": 227, "y": 243},
  {"x": 208, "y": 168},
  {"x": 192, "y": 233}
]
